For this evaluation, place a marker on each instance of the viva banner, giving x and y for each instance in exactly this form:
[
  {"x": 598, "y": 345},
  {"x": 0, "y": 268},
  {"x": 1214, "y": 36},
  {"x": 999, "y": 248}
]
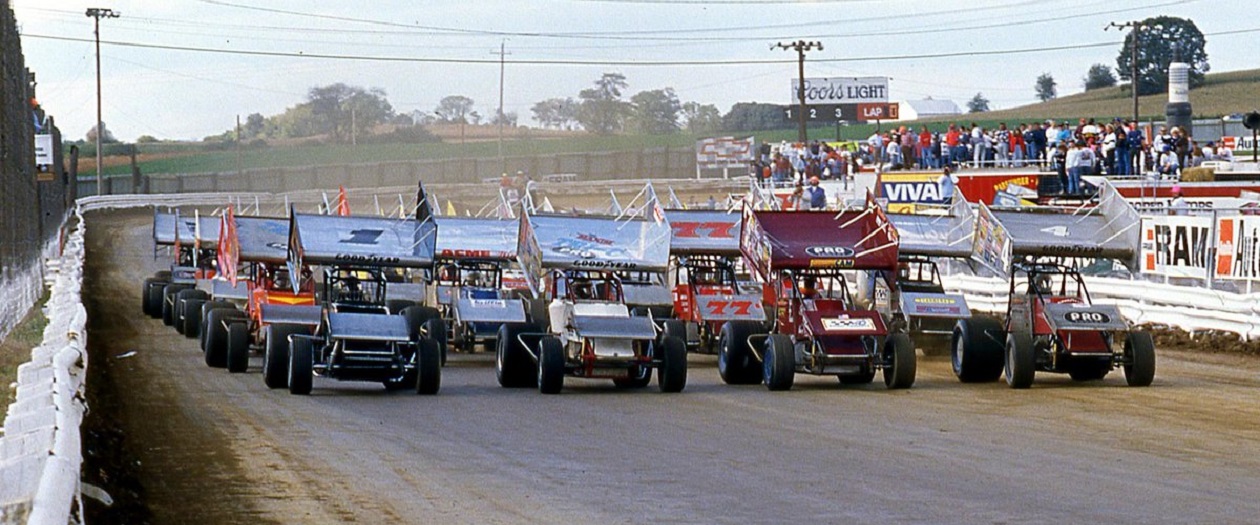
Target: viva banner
[
  {"x": 1237, "y": 248},
  {"x": 1176, "y": 246}
]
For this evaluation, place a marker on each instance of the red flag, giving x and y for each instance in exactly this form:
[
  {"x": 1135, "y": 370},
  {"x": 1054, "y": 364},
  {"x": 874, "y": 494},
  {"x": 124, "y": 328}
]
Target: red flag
[
  {"x": 229, "y": 246},
  {"x": 343, "y": 205}
]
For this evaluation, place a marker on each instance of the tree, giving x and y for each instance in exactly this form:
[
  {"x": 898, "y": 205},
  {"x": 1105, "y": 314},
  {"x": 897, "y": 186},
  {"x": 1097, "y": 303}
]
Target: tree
[
  {"x": 700, "y": 118},
  {"x": 106, "y": 138},
  {"x": 1098, "y": 76},
  {"x": 146, "y": 139},
  {"x": 602, "y": 111},
  {"x": 655, "y": 112},
  {"x": 336, "y": 107},
  {"x": 755, "y": 116},
  {"x": 255, "y": 123},
  {"x": 1159, "y": 41},
  {"x": 556, "y": 113},
  {"x": 509, "y": 119},
  {"x": 454, "y": 109},
  {"x": 1046, "y": 87},
  {"x": 978, "y": 104}
]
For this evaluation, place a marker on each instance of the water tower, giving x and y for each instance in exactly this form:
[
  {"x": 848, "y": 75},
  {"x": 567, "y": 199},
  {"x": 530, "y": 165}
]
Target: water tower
[{"x": 1178, "y": 110}]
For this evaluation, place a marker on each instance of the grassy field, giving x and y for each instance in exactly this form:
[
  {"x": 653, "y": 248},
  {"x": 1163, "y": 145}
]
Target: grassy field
[
  {"x": 1222, "y": 94},
  {"x": 16, "y": 349}
]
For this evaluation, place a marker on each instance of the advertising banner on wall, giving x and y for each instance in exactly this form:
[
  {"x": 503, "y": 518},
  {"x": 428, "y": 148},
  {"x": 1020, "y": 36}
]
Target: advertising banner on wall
[
  {"x": 842, "y": 90},
  {"x": 1176, "y": 246},
  {"x": 1238, "y": 248},
  {"x": 43, "y": 150},
  {"x": 724, "y": 152}
]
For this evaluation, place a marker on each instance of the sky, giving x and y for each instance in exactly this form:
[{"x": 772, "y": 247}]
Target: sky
[{"x": 185, "y": 69}]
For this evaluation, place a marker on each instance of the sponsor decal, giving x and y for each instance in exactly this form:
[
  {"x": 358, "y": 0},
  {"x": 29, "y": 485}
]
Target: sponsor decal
[
  {"x": 847, "y": 324},
  {"x": 362, "y": 237},
  {"x": 933, "y": 300},
  {"x": 831, "y": 263},
  {"x": 1087, "y": 317},
  {"x": 830, "y": 251},
  {"x": 366, "y": 259},
  {"x": 483, "y": 254},
  {"x": 489, "y": 303},
  {"x": 590, "y": 237},
  {"x": 609, "y": 265},
  {"x": 704, "y": 230}
]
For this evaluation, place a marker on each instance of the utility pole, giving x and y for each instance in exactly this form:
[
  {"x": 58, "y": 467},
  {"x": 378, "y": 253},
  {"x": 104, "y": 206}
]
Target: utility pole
[
  {"x": 97, "y": 14},
  {"x": 502, "y": 55},
  {"x": 1134, "y": 26},
  {"x": 238, "y": 146},
  {"x": 800, "y": 46}
]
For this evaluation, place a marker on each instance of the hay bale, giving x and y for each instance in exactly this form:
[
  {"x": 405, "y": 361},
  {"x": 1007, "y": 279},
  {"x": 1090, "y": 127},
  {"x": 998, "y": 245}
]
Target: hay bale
[{"x": 1199, "y": 174}]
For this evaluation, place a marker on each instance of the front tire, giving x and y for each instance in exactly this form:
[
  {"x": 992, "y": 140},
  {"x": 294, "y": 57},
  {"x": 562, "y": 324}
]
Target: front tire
[
  {"x": 301, "y": 363},
  {"x": 671, "y": 376},
  {"x": 736, "y": 364},
  {"x": 900, "y": 362},
  {"x": 779, "y": 363},
  {"x": 550, "y": 365},
  {"x": 217, "y": 335},
  {"x": 435, "y": 329},
  {"x": 276, "y": 354},
  {"x": 1021, "y": 360},
  {"x": 238, "y": 347},
  {"x": 428, "y": 367},
  {"x": 1139, "y": 353},
  {"x": 511, "y": 359}
]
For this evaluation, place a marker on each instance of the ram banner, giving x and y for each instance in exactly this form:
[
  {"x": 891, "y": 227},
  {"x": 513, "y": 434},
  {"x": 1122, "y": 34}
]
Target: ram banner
[
  {"x": 1176, "y": 246},
  {"x": 1237, "y": 248}
]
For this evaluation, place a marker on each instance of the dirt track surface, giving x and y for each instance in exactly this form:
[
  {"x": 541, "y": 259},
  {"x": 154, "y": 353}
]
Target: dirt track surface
[{"x": 214, "y": 447}]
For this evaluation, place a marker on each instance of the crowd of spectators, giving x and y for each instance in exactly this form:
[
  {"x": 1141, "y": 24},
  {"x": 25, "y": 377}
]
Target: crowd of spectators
[{"x": 1115, "y": 148}]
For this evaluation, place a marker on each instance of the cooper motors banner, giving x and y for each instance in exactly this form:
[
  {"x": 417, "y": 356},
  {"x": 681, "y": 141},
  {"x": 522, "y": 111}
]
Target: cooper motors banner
[
  {"x": 724, "y": 152},
  {"x": 842, "y": 90},
  {"x": 1237, "y": 248},
  {"x": 1176, "y": 246}
]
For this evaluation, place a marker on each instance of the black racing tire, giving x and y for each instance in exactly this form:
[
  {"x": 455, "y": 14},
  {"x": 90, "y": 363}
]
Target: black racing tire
[
  {"x": 217, "y": 335},
  {"x": 396, "y": 306},
  {"x": 671, "y": 374},
  {"x": 428, "y": 367},
  {"x": 1021, "y": 360},
  {"x": 435, "y": 330},
  {"x": 276, "y": 353},
  {"x": 192, "y": 317},
  {"x": 153, "y": 297},
  {"x": 1139, "y": 354},
  {"x": 181, "y": 306},
  {"x": 1091, "y": 369},
  {"x": 674, "y": 328},
  {"x": 301, "y": 365},
  {"x": 900, "y": 362},
  {"x": 512, "y": 360},
  {"x": 168, "y": 302},
  {"x": 736, "y": 364},
  {"x": 975, "y": 353},
  {"x": 550, "y": 365},
  {"x": 238, "y": 348},
  {"x": 162, "y": 275},
  {"x": 145, "y": 305},
  {"x": 206, "y": 308},
  {"x": 778, "y": 363}
]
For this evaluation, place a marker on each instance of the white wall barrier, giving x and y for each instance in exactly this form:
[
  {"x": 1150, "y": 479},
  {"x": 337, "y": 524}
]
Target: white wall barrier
[
  {"x": 1192, "y": 309},
  {"x": 40, "y": 453}
]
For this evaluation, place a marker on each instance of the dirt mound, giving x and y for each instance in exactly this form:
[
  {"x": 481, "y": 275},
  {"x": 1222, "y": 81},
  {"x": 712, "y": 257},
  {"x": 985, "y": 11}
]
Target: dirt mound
[{"x": 1206, "y": 341}]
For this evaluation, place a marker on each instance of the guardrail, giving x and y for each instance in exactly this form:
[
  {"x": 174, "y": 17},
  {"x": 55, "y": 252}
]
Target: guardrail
[
  {"x": 1142, "y": 302},
  {"x": 40, "y": 454}
]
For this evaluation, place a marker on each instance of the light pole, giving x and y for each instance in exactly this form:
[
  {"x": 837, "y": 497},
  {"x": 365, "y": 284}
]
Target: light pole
[
  {"x": 800, "y": 46},
  {"x": 97, "y": 13}
]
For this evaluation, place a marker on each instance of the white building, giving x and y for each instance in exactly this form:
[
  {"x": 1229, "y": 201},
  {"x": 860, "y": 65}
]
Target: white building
[{"x": 927, "y": 108}]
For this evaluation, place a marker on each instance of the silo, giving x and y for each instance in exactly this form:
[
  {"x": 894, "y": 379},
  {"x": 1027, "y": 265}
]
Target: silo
[{"x": 1178, "y": 109}]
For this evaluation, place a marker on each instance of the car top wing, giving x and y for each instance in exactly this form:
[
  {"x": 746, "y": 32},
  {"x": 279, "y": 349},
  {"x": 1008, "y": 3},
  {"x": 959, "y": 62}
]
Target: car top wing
[
  {"x": 337, "y": 240},
  {"x": 590, "y": 243},
  {"x": 476, "y": 238},
  {"x": 861, "y": 239},
  {"x": 705, "y": 232},
  {"x": 164, "y": 224},
  {"x": 1108, "y": 230},
  {"x": 262, "y": 239},
  {"x": 937, "y": 235}
]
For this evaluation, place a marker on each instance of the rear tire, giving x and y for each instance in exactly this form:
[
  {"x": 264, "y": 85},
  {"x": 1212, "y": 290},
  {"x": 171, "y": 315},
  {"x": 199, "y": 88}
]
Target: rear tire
[
  {"x": 779, "y": 363},
  {"x": 428, "y": 368},
  {"x": 168, "y": 302},
  {"x": 550, "y": 365},
  {"x": 182, "y": 298},
  {"x": 396, "y": 306},
  {"x": 671, "y": 376},
  {"x": 301, "y": 363},
  {"x": 900, "y": 362},
  {"x": 1021, "y": 360},
  {"x": 1139, "y": 353},
  {"x": 436, "y": 331},
  {"x": 238, "y": 347},
  {"x": 976, "y": 356},
  {"x": 192, "y": 317},
  {"x": 736, "y": 364},
  {"x": 276, "y": 354},
  {"x": 144, "y": 296},
  {"x": 205, "y": 317},
  {"x": 153, "y": 297}
]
